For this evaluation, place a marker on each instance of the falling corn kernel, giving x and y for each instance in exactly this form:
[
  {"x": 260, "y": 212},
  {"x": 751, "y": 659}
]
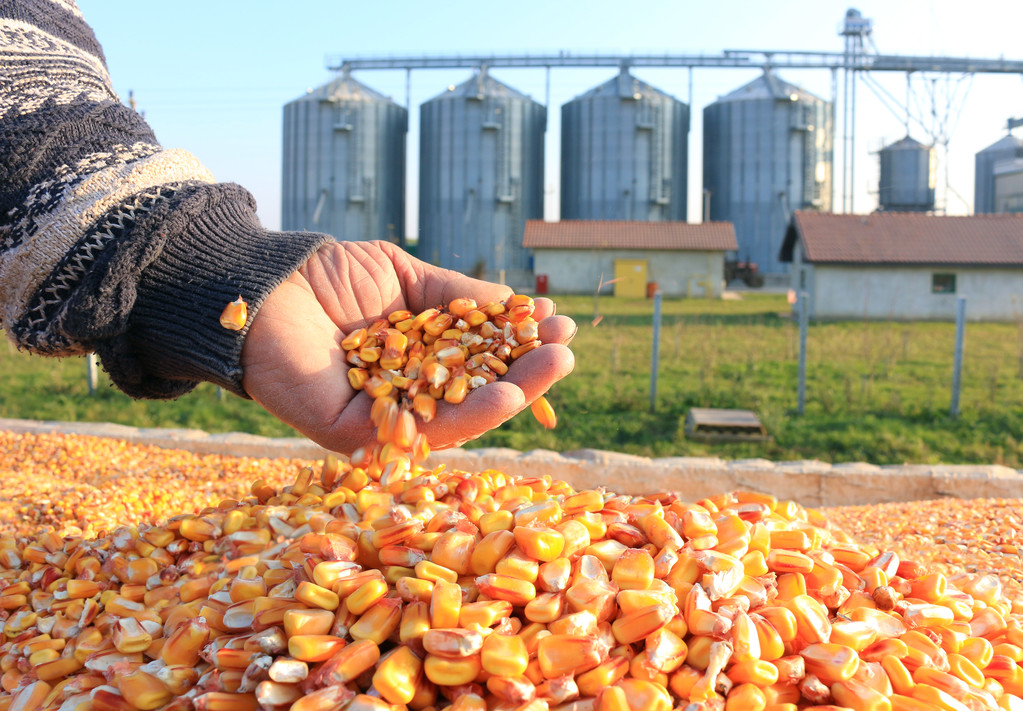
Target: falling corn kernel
[
  {"x": 544, "y": 413},
  {"x": 235, "y": 315}
]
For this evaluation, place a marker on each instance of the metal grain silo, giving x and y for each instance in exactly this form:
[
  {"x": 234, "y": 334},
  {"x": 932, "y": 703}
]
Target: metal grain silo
[
  {"x": 624, "y": 153},
  {"x": 344, "y": 163},
  {"x": 480, "y": 178},
  {"x": 907, "y": 177},
  {"x": 1009, "y": 186},
  {"x": 767, "y": 151},
  {"x": 1006, "y": 149}
]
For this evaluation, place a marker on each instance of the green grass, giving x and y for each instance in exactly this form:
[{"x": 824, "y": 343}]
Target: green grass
[
  {"x": 876, "y": 392},
  {"x": 34, "y": 387}
]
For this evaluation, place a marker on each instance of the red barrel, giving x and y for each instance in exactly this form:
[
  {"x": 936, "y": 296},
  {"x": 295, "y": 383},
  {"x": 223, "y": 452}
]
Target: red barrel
[{"x": 541, "y": 283}]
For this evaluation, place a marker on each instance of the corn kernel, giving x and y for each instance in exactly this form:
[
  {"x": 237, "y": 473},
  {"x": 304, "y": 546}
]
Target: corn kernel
[{"x": 397, "y": 675}]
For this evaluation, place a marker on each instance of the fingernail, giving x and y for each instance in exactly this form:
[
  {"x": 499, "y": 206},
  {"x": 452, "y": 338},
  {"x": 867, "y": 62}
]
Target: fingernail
[{"x": 574, "y": 331}]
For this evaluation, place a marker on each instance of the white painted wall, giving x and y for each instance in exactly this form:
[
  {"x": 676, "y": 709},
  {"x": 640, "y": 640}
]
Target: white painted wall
[
  {"x": 904, "y": 293},
  {"x": 577, "y": 271}
]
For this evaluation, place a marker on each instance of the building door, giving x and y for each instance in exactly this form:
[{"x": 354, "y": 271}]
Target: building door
[{"x": 630, "y": 278}]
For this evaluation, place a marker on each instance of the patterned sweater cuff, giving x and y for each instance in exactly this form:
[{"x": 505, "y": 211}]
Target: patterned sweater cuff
[{"x": 215, "y": 252}]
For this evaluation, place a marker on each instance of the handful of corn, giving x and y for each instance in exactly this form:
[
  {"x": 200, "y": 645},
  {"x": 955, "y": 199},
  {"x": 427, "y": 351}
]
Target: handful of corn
[
  {"x": 407, "y": 362},
  {"x": 377, "y": 585}
]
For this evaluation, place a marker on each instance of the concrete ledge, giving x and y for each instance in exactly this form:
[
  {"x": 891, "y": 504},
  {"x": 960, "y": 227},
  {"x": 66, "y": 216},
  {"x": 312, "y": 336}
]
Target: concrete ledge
[{"x": 811, "y": 482}]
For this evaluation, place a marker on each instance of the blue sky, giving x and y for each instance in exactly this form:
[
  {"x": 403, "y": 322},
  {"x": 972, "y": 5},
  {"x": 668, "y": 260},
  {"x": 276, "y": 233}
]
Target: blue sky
[{"x": 213, "y": 77}]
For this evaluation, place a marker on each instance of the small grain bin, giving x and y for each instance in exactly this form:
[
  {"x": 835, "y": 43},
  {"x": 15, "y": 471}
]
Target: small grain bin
[{"x": 907, "y": 177}]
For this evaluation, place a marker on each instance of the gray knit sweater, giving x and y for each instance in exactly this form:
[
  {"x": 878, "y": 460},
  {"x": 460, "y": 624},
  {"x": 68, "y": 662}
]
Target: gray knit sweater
[{"x": 108, "y": 242}]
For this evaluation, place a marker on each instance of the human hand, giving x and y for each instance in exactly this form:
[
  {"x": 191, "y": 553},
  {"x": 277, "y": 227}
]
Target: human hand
[{"x": 294, "y": 366}]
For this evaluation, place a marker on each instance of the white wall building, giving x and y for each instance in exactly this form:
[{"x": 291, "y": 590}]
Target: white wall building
[
  {"x": 681, "y": 259},
  {"x": 907, "y": 266}
]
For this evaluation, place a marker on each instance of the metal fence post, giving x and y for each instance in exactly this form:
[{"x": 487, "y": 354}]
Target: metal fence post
[
  {"x": 655, "y": 358},
  {"x": 92, "y": 372},
  {"x": 804, "y": 323},
  {"x": 957, "y": 363}
]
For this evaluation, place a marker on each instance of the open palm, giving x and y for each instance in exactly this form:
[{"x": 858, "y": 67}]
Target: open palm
[{"x": 295, "y": 368}]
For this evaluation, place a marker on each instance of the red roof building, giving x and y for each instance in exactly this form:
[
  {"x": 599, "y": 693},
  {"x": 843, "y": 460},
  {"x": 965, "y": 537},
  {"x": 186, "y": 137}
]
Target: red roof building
[
  {"x": 634, "y": 258},
  {"x": 907, "y": 265}
]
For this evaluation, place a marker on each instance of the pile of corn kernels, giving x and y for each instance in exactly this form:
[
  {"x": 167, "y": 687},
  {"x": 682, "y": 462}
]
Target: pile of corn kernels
[
  {"x": 381, "y": 584},
  {"x": 951, "y": 536},
  {"x": 85, "y": 485},
  {"x": 476, "y": 590}
]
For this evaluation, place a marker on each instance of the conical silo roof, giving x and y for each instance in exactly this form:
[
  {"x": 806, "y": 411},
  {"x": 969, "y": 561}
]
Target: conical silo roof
[
  {"x": 343, "y": 88},
  {"x": 481, "y": 85},
  {"x": 1006, "y": 143},
  {"x": 624, "y": 86},
  {"x": 905, "y": 144},
  {"x": 768, "y": 86}
]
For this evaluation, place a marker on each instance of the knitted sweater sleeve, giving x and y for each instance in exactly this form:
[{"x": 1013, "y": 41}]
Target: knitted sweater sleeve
[{"x": 108, "y": 242}]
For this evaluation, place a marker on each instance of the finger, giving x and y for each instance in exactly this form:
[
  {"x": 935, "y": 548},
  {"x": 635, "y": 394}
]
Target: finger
[
  {"x": 544, "y": 308},
  {"x": 482, "y": 410},
  {"x": 484, "y": 292},
  {"x": 440, "y": 295},
  {"x": 427, "y": 286},
  {"x": 536, "y": 371},
  {"x": 352, "y": 429},
  {"x": 529, "y": 377},
  {"x": 557, "y": 329}
]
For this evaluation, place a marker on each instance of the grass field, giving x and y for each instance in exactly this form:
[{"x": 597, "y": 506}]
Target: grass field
[{"x": 876, "y": 392}]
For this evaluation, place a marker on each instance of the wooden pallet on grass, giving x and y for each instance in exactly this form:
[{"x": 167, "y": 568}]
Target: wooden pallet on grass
[{"x": 705, "y": 424}]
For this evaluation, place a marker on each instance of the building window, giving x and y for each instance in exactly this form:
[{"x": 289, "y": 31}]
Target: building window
[{"x": 943, "y": 283}]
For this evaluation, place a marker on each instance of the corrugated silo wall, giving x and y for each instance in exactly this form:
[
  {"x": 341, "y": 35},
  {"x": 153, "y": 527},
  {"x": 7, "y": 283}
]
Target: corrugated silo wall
[
  {"x": 481, "y": 178},
  {"x": 984, "y": 172},
  {"x": 760, "y": 163},
  {"x": 293, "y": 174},
  {"x": 347, "y": 158},
  {"x": 984, "y": 180},
  {"x": 983, "y": 184},
  {"x": 624, "y": 159},
  {"x": 389, "y": 180}
]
